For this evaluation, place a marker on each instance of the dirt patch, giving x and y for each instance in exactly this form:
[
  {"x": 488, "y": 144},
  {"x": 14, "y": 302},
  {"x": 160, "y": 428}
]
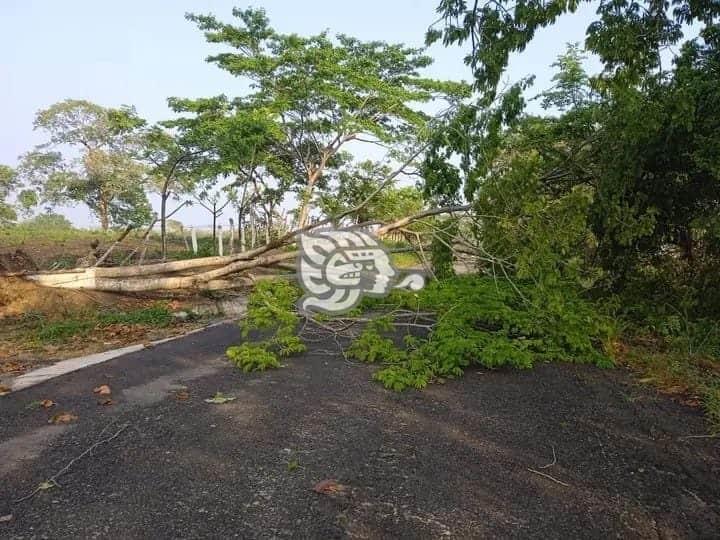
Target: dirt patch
[
  {"x": 18, "y": 261},
  {"x": 26, "y": 308},
  {"x": 19, "y": 297}
]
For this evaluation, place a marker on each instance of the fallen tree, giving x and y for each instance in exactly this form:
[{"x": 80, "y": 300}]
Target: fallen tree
[
  {"x": 202, "y": 273},
  {"x": 220, "y": 271}
]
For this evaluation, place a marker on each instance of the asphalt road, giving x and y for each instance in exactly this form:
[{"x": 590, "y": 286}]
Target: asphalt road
[{"x": 558, "y": 451}]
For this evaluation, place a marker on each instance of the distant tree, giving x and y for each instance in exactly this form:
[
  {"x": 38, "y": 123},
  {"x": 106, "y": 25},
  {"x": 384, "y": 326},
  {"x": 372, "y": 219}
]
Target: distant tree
[
  {"x": 50, "y": 220},
  {"x": 27, "y": 201},
  {"x": 173, "y": 168},
  {"x": 214, "y": 201},
  {"x": 324, "y": 93},
  {"x": 90, "y": 158},
  {"x": 356, "y": 183},
  {"x": 572, "y": 85},
  {"x": 8, "y": 180},
  {"x": 240, "y": 142}
]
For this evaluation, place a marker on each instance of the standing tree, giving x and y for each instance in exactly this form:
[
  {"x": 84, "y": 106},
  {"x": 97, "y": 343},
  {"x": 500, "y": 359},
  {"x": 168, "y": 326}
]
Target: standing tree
[
  {"x": 572, "y": 85},
  {"x": 93, "y": 161},
  {"x": 211, "y": 199},
  {"x": 324, "y": 93},
  {"x": 173, "y": 165},
  {"x": 8, "y": 179},
  {"x": 355, "y": 185}
]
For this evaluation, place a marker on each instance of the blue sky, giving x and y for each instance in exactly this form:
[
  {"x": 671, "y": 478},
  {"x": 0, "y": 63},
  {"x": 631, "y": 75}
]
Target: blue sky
[{"x": 140, "y": 52}]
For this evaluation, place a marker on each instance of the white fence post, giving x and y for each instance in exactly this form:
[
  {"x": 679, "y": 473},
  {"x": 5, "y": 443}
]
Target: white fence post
[
  {"x": 232, "y": 236},
  {"x": 193, "y": 237},
  {"x": 220, "y": 240}
]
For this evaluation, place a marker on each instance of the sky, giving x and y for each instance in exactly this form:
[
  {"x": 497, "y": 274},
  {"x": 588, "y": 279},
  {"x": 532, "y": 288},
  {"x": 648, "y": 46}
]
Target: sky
[{"x": 140, "y": 52}]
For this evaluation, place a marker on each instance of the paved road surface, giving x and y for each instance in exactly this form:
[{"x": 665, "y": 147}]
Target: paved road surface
[{"x": 452, "y": 461}]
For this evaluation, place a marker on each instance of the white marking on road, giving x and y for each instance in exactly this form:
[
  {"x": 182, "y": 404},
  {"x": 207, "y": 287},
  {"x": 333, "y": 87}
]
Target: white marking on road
[{"x": 73, "y": 364}]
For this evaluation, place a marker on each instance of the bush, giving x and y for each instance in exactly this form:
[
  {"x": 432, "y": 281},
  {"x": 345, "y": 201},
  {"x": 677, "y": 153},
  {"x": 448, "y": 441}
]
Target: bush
[
  {"x": 270, "y": 309},
  {"x": 252, "y": 357},
  {"x": 485, "y": 322}
]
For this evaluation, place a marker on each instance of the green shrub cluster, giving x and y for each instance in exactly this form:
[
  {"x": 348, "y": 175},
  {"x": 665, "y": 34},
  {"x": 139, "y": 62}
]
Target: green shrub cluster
[
  {"x": 270, "y": 309},
  {"x": 486, "y": 322},
  {"x": 478, "y": 321}
]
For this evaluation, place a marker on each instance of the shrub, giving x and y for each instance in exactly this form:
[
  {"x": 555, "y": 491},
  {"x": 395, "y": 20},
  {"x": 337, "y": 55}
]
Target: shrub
[
  {"x": 485, "y": 322},
  {"x": 270, "y": 309}
]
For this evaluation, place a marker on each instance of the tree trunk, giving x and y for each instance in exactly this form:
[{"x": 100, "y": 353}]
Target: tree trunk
[
  {"x": 103, "y": 214},
  {"x": 304, "y": 210},
  {"x": 214, "y": 213},
  {"x": 163, "y": 224},
  {"x": 241, "y": 231},
  {"x": 253, "y": 230}
]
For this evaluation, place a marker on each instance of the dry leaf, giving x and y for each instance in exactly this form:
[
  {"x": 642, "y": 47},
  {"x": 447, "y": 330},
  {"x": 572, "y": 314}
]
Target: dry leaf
[
  {"x": 329, "y": 487},
  {"x": 47, "y": 403},
  {"x": 182, "y": 395},
  {"x": 63, "y": 418},
  {"x": 103, "y": 390},
  {"x": 4, "y": 390},
  {"x": 220, "y": 398}
]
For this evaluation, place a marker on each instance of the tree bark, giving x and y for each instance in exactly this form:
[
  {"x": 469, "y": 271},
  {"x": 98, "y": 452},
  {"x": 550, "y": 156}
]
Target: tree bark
[{"x": 163, "y": 224}]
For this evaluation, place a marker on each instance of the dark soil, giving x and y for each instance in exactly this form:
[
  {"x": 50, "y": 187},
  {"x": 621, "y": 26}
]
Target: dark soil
[
  {"x": 452, "y": 460},
  {"x": 17, "y": 261}
]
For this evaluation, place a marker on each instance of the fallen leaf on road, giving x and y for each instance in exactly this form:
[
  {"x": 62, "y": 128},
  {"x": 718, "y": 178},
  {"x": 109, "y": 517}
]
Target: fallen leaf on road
[
  {"x": 182, "y": 395},
  {"x": 103, "y": 390},
  {"x": 5, "y": 519},
  {"x": 220, "y": 398},
  {"x": 44, "y": 486},
  {"x": 4, "y": 390},
  {"x": 63, "y": 418},
  {"x": 329, "y": 487},
  {"x": 47, "y": 403}
]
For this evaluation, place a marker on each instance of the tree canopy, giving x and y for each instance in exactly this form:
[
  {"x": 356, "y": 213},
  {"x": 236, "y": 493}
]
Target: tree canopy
[
  {"x": 89, "y": 158},
  {"x": 323, "y": 93}
]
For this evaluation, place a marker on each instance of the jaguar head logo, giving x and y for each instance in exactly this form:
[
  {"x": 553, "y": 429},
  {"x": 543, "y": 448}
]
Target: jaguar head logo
[{"x": 337, "y": 267}]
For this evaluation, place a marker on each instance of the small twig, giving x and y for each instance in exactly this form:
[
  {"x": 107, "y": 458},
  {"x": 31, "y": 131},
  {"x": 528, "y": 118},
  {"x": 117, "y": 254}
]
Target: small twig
[
  {"x": 53, "y": 479},
  {"x": 549, "y": 477},
  {"x": 554, "y": 461},
  {"x": 694, "y": 496},
  {"x": 714, "y": 436}
]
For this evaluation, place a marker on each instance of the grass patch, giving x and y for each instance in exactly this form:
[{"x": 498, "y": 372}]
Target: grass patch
[
  {"x": 693, "y": 377},
  {"x": 30, "y": 233},
  {"x": 60, "y": 331},
  {"x": 405, "y": 260}
]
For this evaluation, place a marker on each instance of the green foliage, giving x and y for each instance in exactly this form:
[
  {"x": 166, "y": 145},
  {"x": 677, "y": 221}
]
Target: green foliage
[
  {"x": 441, "y": 251},
  {"x": 252, "y": 357},
  {"x": 363, "y": 183},
  {"x": 370, "y": 346},
  {"x": 271, "y": 310},
  {"x": 627, "y": 36},
  {"x": 571, "y": 88},
  {"x": 481, "y": 321},
  {"x": 321, "y": 93},
  {"x": 106, "y": 176},
  {"x": 8, "y": 180}
]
